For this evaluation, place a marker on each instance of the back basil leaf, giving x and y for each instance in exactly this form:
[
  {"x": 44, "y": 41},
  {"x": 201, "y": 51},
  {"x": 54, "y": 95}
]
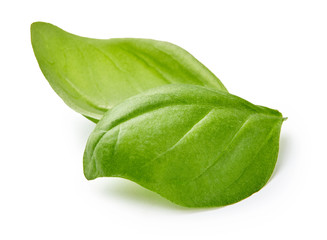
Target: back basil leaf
[
  {"x": 93, "y": 75},
  {"x": 194, "y": 146}
]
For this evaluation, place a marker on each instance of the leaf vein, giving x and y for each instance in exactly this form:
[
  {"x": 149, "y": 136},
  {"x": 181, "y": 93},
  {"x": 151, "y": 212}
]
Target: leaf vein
[
  {"x": 226, "y": 148},
  {"x": 252, "y": 161},
  {"x": 180, "y": 140},
  {"x": 91, "y": 74},
  {"x": 121, "y": 121},
  {"x": 155, "y": 69},
  {"x": 106, "y": 55}
]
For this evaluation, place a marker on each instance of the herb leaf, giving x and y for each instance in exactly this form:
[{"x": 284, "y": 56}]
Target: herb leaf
[
  {"x": 93, "y": 75},
  {"x": 194, "y": 146}
]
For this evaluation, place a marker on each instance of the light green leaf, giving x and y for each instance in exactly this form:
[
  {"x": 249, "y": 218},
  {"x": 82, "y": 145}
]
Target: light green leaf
[
  {"x": 194, "y": 146},
  {"x": 93, "y": 75}
]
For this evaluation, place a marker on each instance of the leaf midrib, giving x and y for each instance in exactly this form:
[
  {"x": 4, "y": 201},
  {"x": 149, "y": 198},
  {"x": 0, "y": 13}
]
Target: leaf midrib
[{"x": 105, "y": 132}]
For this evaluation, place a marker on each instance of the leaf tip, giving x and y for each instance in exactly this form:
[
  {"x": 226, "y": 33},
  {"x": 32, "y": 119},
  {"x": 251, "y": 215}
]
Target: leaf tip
[
  {"x": 35, "y": 29},
  {"x": 42, "y": 27},
  {"x": 35, "y": 26}
]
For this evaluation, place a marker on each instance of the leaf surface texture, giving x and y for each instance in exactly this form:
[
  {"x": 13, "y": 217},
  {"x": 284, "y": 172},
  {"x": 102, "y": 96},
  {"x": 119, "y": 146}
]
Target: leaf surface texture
[
  {"x": 194, "y": 146},
  {"x": 93, "y": 75}
]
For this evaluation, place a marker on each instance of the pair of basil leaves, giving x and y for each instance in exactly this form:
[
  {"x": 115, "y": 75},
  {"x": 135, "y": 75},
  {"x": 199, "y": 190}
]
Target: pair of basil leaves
[{"x": 163, "y": 119}]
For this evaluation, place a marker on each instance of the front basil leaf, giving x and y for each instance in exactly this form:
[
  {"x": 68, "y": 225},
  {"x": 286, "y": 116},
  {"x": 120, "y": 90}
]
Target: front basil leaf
[
  {"x": 93, "y": 75},
  {"x": 194, "y": 146}
]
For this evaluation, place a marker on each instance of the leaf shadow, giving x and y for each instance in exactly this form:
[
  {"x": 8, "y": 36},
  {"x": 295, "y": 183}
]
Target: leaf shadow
[
  {"x": 132, "y": 192},
  {"x": 82, "y": 128}
]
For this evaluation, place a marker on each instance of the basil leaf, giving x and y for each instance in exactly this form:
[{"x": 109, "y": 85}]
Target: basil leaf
[
  {"x": 93, "y": 75},
  {"x": 194, "y": 146}
]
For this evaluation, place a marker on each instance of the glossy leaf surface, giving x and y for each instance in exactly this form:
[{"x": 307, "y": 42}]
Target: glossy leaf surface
[
  {"x": 194, "y": 146},
  {"x": 93, "y": 75}
]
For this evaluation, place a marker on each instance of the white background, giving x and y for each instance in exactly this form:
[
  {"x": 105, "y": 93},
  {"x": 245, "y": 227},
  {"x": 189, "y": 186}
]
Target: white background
[{"x": 272, "y": 53}]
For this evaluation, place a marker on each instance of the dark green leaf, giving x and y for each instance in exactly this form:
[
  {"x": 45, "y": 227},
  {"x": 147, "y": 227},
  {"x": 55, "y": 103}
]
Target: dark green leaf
[{"x": 194, "y": 146}]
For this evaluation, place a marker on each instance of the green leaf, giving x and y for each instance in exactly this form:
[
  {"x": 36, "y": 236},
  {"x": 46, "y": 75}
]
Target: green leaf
[
  {"x": 194, "y": 146},
  {"x": 93, "y": 75}
]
